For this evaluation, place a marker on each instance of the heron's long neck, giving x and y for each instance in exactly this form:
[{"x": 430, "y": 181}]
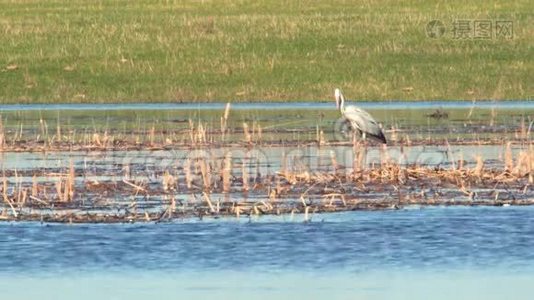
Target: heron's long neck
[{"x": 342, "y": 104}]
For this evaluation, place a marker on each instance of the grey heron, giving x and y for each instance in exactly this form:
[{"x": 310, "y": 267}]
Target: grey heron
[{"x": 359, "y": 119}]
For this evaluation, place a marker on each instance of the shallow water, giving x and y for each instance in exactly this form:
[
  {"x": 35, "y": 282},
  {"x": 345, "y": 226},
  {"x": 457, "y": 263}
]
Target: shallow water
[
  {"x": 465, "y": 284},
  {"x": 268, "y": 159},
  {"x": 295, "y": 121},
  {"x": 413, "y": 253},
  {"x": 464, "y": 253},
  {"x": 518, "y": 104}
]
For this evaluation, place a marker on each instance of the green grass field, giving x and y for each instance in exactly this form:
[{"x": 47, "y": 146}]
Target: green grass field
[{"x": 236, "y": 50}]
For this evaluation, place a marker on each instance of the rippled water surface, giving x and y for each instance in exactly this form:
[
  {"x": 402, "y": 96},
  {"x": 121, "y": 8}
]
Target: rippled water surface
[
  {"x": 413, "y": 253},
  {"x": 410, "y": 253}
]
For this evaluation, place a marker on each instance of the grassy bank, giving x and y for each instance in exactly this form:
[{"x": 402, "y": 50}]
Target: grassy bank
[{"x": 114, "y": 51}]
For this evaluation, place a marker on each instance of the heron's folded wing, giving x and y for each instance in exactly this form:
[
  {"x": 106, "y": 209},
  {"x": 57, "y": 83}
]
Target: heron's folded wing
[{"x": 364, "y": 122}]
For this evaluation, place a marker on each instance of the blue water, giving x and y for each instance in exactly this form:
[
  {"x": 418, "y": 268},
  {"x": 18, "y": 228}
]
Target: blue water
[
  {"x": 353, "y": 242},
  {"x": 393, "y": 105},
  {"x": 460, "y": 252}
]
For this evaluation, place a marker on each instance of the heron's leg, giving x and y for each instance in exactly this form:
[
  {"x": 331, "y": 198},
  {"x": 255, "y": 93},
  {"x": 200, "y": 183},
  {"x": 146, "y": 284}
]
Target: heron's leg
[
  {"x": 364, "y": 138},
  {"x": 359, "y": 139},
  {"x": 359, "y": 151}
]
